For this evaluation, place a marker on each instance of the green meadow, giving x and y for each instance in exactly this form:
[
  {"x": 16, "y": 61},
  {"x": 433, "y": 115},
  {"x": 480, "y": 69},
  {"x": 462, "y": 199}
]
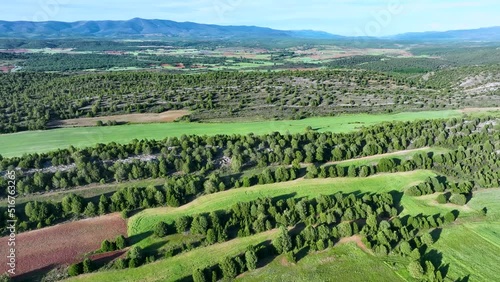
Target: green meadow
[{"x": 16, "y": 144}]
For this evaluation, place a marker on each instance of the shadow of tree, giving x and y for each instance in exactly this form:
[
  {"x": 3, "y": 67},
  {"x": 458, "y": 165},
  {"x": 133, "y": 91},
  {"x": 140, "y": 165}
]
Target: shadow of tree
[{"x": 134, "y": 239}]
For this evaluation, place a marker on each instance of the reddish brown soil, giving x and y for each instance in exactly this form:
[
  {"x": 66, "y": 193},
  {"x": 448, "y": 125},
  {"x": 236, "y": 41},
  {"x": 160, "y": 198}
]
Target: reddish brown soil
[
  {"x": 61, "y": 244},
  {"x": 6, "y": 69}
]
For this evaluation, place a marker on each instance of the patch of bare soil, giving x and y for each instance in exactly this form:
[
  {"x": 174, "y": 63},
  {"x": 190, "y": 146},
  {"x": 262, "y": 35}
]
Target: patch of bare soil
[
  {"x": 354, "y": 239},
  {"x": 168, "y": 116},
  {"x": 475, "y": 110}
]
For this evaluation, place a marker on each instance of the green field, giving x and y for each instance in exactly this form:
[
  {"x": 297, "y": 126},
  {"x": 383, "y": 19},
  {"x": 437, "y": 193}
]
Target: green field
[
  {"x": 146, "y": 220},
  {"x": 17, "y": 144},
  {"x": 471, "y": 249}
]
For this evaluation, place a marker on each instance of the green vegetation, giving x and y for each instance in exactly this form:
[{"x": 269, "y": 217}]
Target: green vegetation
[
  {"x": 345, "y": 263},
  {"x": 29, "y": 142},
  {"x": 147, "y": 219},
  {"x": 179, "y": 266},
  {"x": 358, "y": 144}
]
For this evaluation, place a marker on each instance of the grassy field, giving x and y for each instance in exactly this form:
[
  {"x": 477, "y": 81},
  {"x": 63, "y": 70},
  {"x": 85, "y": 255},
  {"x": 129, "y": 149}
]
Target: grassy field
[
  {"x": 180, "y": 266},
  {"x": 17, "y": 144},
  {"x": 341, "y": 263},
  {"x": 469, "y": 245},
  {"x": 471, "y": 249},
  {"x": 145, "y": 221}
]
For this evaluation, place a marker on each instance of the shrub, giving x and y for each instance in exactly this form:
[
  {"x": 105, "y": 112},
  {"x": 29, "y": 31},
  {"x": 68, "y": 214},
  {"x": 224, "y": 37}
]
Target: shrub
[
  {"x": 458, "y": 199},
  {"x": 441, "y": 199}
]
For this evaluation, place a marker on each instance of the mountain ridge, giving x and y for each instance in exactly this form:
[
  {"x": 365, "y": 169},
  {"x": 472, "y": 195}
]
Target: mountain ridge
[
  {"x": 143, "y": 28},
  {"x": 155, "y": 28}
]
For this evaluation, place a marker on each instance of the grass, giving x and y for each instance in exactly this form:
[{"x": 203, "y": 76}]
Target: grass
[
  {"x": 145, "y": 220},
  {"x": 341, "y": 263},
  {"x": 17, "y": 144},
  {"x": 471, "y": 249},
  {"x": 180, "y": 266},
  {"x": 470, "y": 246}
]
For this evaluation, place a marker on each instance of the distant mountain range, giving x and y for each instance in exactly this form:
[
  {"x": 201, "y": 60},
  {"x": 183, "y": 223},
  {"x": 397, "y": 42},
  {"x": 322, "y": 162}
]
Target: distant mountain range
[
  {"x": 481, "y": 34},
  {"x": 144, "y": 28}
]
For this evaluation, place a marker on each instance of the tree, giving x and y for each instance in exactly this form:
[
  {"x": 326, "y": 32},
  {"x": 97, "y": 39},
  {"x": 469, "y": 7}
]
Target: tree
[
  {"x": 161, "y": 229},
  {"x": 351, "y": 171},
  {"x": 228, "y": 267},
  {"x": 106, "y": 246},
  {"x": 312, "y": 171},
  {"x": 5, "y": 277},
  {"x": 75, "y": 269},
  {"x": 251, "y": 259},
  {"x": 236, "y": 163},
  {"x": 90, "y": 210},
  {"x": 449, "y": 217},
  {"x": 416, "y": 270},
  {"x": 199, "y": 276},
  {"x": 283, "y": 242},
  {"x": 427, "y": 239},
  {"x": 211, "y": 237},
  {"x": 87, "y": 266},
  {"x": 120, "y": 242},
  {"x": 181, "y": 224}
]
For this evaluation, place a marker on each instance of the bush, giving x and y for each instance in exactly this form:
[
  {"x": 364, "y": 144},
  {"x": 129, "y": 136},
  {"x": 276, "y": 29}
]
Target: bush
[
  {"x": 458, "y": 199},
  {"x": 441, "y": 199}
]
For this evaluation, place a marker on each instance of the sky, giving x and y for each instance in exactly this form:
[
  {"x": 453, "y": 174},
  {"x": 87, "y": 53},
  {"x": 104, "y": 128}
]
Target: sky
[{"x": 344, "y": 17}]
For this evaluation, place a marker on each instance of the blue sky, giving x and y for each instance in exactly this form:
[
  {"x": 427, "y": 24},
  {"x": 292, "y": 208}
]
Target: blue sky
[{"x": 345, "y": 17}]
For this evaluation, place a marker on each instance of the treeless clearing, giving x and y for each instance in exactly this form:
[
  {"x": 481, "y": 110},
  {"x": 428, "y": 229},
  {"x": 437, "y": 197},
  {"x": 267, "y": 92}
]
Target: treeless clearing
[
  {"x": 475, "y": 110},
  {"x": 354, "y": 239},
  {"x": 61, "y": 244},
  {"x": 168, "y": 116}
]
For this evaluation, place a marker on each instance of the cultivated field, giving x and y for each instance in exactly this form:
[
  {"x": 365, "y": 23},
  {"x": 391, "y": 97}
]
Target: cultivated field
[
  {"x": 17, "y": 144},
  {"x": 43, "y": 249}
]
